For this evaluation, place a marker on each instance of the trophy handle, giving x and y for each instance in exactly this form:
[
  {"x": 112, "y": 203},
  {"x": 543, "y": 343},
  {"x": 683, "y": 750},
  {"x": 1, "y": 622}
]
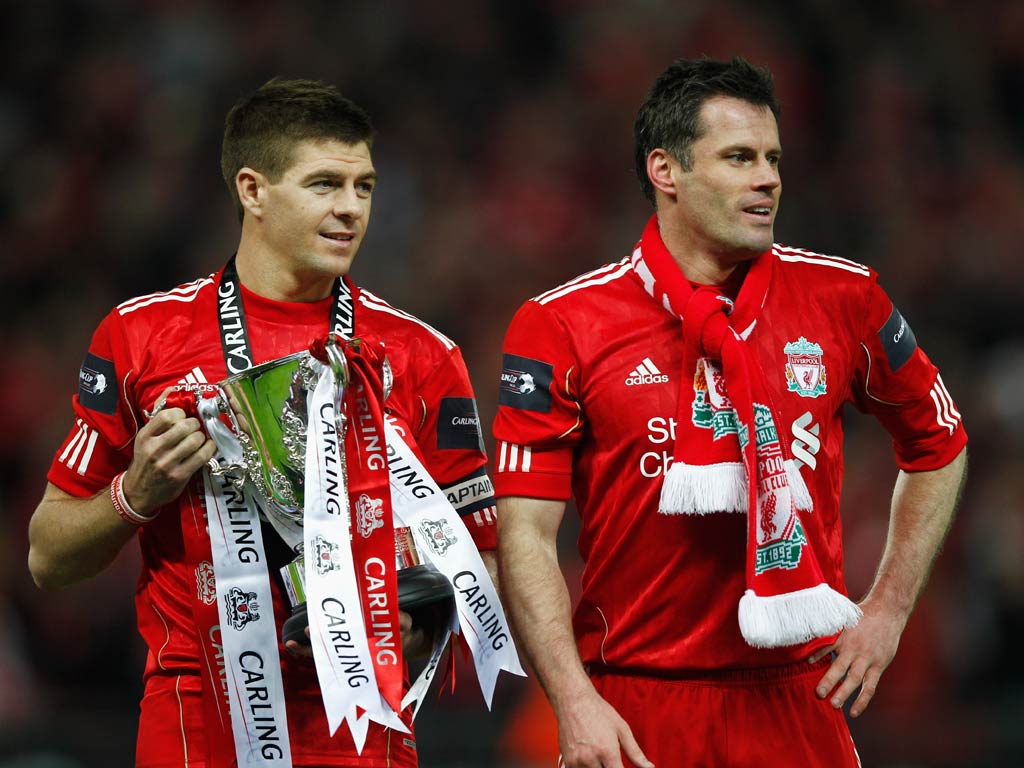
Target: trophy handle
[
  {"x": 339, "y": 365},
  {"x": 217, "y": 469},
  {"x": 222, "y": 435}
]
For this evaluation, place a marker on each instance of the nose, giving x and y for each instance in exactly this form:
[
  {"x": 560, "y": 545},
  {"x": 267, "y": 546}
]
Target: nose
[
  {"x": 767, "y": 175},
  {"x": 347, "y": 203}
]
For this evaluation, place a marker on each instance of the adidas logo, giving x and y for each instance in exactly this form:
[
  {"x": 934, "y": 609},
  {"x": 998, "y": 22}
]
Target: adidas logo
[
  {"x": 646, "y": 373},
  {"x": 194, "y": 381}
]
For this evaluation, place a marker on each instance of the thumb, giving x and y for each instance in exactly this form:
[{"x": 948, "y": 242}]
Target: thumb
[{"x": 632, "y": 749}]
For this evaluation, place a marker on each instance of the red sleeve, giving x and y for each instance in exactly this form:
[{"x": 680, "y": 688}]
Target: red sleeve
[
  {"x": 452, "y": 446},
  {"x": 99, "y": 443},
  {"x": 539, "y": 419},
  {"x": 898, "y": 384}
]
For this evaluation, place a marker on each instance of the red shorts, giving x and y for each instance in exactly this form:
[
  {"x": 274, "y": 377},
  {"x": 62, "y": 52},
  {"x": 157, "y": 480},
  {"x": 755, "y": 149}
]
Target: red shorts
[
  {"x": 172, "y": 735},
  {"x": 765, "y": 718}
]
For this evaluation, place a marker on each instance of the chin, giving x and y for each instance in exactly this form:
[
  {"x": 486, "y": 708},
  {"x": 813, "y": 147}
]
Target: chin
[{"x": 760, "y": 244}]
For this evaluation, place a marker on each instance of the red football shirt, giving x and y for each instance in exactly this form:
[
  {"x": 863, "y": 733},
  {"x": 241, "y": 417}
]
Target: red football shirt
[
  {"x": 153, "y": 342},
  {"x": 592, "y": 375}
]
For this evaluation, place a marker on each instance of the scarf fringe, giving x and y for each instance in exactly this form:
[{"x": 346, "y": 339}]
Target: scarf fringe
[
  {"x": 798, "y": 488},
  {"x": 793, "y": 618},
  {"x": 702, "y": 489}
]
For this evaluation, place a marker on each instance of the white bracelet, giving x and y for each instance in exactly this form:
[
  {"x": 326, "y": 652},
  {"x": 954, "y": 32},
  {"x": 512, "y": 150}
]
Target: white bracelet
[{"x": 121, "y": 505}]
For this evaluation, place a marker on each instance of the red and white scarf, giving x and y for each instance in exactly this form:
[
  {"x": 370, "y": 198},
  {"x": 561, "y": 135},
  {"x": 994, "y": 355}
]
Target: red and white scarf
[{"x": 728, "y": 456}]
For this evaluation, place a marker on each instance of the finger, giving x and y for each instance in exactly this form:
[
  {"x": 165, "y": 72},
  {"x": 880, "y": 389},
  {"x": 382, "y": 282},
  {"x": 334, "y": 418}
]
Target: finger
[
  {"x": 632, "y": 749},
  {"x": 167, "y": 446},
  {"x": 404, "y": 621},
  {"x": 158, "y": 404},
  {"x": 181, "y": 428},
  {"x": 854, "y": 677},
  {"x": 835, "y": 673},
  {"x": 867, "y": 692},
  {"x": 821, "y": 653},
  {"x": 163, "y": 422},
  {"x": 176, "y": 454},
  {"x": 201, "y": 456},
  {"x": 298, "y": 650}
]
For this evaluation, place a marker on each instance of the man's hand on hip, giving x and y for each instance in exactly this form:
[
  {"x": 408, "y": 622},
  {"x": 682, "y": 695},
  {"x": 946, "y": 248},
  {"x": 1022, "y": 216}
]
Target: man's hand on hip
[
  {"x": 591, "y": 734},
  {"x": 863, "y": 653}
]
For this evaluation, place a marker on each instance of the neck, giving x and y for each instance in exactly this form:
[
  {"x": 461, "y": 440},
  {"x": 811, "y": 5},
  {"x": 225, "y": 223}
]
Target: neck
[
  {"x": 266, "y": 274},
  {"x": 698, "y": 262}
]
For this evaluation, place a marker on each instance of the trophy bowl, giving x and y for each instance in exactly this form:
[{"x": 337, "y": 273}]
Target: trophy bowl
[{"x": 265, "y": 409}]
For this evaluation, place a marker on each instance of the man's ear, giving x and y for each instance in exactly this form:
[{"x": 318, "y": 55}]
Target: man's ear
[
  {"x": 660, "y": 165},
  {"x": 251, "y": 187}
]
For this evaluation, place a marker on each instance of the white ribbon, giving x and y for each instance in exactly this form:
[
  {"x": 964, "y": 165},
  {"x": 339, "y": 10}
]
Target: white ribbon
[
  {"x": 442, "y": 538},
  {"x": 336, "y": 626},
  {"x": 245, "y": 603}
]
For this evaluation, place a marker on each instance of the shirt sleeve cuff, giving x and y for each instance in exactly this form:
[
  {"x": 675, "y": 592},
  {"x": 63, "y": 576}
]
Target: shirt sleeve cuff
[
  {"x": 932, "y": 455},
  {"x": 533, "y": 485}
]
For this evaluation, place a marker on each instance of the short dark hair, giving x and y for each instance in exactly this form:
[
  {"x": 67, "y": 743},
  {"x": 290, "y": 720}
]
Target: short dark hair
[
  {"x": 262, "y": 129},
  {"x": 669, "y": 118}
]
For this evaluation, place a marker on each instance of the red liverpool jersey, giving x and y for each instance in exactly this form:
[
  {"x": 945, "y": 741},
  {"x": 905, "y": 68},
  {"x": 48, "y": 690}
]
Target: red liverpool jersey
[
  {"x": 150, "y": 343},
  {"x": 591, "y": 380}
]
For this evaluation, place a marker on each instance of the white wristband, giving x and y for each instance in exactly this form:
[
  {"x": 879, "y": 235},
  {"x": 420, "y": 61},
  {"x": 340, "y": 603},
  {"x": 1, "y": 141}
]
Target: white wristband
[{"x": 121, "y": 505}]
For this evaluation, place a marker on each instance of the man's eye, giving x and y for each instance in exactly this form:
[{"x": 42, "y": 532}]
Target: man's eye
[
  {"x": 323, "y": 184},
  {"x": 365, "y": 187}
]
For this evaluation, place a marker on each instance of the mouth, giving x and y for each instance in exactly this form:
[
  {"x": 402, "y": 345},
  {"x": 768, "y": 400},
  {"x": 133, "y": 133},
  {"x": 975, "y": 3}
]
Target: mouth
[
  {"x": 761, "y": 212},
  {"x": 341, "y": 239}
]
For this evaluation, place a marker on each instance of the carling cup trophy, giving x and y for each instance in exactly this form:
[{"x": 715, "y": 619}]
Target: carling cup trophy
[{"x": 265, "y": 409}]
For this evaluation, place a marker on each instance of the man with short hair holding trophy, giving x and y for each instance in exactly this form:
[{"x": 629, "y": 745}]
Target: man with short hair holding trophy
[{"x": 315, "y": 517}]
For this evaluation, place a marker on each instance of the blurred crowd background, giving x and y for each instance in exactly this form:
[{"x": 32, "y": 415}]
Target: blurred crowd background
[{"x": 505, "y": 161}]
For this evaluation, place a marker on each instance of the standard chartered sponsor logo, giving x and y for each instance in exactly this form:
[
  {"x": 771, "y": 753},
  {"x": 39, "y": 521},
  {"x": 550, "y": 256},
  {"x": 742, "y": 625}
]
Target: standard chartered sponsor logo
[
  {"x": 806, "y": 444},
  {"x": 660, "y": 432},
  {"x": 661, "y": 435}
]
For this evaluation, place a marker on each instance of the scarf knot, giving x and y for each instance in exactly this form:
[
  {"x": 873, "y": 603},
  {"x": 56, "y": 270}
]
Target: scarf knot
[{"x": 706, "y": 318}]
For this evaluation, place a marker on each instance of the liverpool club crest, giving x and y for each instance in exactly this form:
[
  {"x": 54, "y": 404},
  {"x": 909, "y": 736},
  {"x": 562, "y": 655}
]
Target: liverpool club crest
[
  {"x": 805, "y": 372},
  {"x": 242, "y": 607},
  {"x": 712, "y": 408}
]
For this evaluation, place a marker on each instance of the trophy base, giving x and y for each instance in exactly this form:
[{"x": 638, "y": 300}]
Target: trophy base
[
  {"x": 295, "y": 626},
  {"x": 418, "y": 588},
  {"x": 421, "y": 585}
]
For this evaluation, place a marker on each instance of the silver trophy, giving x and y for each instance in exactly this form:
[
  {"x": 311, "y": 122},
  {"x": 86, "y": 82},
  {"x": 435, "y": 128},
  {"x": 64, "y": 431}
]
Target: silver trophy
[{"x": 265, "y": 407}]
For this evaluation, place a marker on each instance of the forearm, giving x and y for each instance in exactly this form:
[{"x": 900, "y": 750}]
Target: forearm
[
  {"x": 923, "y": 505},
  {"x": 537, "y": 599},
  {"x": 490, "y": 558},
  {"x": 72, "y": 539}
]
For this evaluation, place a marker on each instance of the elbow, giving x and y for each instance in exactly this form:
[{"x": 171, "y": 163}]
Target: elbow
[
  {"x": 44, "y": 572},
  {"x": 47, "y": 567}
]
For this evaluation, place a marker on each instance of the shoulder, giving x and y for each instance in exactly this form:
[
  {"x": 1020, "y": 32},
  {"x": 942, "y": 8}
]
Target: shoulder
[
  {"x": 161, "y": 305},
  {"x": 845, "y": 290},
  {"x": 395, "y": 325},
  {"x": 590, "y": 287},
  {"x": 806, "y": 264},
  {"x": 134, "y": 323}
]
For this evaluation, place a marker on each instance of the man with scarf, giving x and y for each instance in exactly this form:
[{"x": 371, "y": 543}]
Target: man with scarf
[
  {"x": 296, "y": 159},
  {"x": 690, "y": 398}
]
